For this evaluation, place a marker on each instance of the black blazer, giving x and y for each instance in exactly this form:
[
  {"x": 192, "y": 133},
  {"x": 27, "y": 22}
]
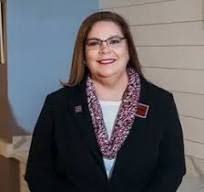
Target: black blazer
[{"x": 64, "y": 155}]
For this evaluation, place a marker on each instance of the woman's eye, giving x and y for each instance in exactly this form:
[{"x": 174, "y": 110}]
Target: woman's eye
[
  {"x": 114, "y": 41},
  {"x": 93, "y": 43}
]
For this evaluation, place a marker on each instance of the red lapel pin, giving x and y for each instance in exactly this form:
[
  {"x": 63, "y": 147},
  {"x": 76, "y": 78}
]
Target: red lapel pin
[{"x": 142, "y": 110}]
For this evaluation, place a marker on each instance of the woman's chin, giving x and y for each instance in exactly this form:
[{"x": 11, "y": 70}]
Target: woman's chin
[{"x": 106, "y": 74}]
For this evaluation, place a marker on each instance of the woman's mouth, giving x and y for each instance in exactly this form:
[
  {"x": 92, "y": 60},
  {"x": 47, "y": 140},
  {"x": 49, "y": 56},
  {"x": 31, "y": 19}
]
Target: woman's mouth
[{"x": 106, "y": 61}]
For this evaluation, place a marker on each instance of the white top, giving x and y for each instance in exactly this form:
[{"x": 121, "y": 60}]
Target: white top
[{"x": 110, "y": 111}]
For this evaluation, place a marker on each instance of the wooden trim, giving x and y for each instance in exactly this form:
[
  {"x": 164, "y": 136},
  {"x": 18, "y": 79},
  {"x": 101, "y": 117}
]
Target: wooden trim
[{"x": 2, "y": 33}]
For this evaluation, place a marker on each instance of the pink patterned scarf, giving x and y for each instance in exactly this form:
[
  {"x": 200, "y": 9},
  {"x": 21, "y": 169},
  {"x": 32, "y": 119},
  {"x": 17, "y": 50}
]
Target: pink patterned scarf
[{"x": 125, "y": 116}]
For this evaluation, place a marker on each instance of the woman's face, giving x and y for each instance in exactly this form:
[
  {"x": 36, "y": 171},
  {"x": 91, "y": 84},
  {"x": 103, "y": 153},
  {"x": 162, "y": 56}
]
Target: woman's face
[{"x": 106, "y": 51}]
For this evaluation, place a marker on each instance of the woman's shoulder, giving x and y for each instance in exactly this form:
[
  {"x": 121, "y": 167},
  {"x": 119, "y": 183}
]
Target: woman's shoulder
[
  {"x": 66, "y": 92},
  {"x": 154, "y": 88},
  {"x": 157, "y": 97},
  {"x": 155, "y": 93}
]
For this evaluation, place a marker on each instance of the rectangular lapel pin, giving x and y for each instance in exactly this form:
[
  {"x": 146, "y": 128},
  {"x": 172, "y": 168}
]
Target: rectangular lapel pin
[
  {"x": 142, "y": 110},
  {"x": 78, "y": 109}
]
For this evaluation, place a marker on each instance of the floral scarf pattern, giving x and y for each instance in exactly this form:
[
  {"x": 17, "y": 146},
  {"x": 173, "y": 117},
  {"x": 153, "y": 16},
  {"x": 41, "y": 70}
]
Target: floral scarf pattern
[{"x": 124, "y": 119}]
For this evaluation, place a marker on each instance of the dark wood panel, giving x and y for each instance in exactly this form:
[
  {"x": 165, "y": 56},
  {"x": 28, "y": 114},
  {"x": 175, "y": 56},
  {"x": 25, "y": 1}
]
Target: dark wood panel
[
  {"x": 5, "y": 131},
  {"x": 9, "y": 175}
]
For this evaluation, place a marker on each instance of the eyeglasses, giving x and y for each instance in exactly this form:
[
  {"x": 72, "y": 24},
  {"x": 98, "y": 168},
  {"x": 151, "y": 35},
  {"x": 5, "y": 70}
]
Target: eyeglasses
[{"x": 112, "y": 42}]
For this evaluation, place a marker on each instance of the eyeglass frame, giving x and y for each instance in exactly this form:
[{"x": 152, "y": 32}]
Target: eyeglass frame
[{"x": 100, "y": 41}]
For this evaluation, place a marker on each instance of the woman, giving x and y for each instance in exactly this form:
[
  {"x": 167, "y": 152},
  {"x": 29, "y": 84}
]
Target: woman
[{"x": 108, "y": 129}]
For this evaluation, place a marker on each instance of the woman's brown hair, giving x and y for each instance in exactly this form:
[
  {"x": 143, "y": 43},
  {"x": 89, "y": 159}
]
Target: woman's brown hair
[{"x": 78, "y": 68}]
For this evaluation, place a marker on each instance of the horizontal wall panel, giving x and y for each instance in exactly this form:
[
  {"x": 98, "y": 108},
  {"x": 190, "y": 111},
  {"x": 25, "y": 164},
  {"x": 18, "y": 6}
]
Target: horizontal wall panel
[
  {"x": 121, "y": 3},
  {"x": 193, "y": 129},
  {"x": 172, "y": 57},
  {"x": 190, "y": 105},
  {"x": 162, "y": 12},
  {"x": 183, "y": 34},
  {"x": 194, "y": 149},
  {"x": 195, "y": 167},
  {"x": 177, "y": 80}
]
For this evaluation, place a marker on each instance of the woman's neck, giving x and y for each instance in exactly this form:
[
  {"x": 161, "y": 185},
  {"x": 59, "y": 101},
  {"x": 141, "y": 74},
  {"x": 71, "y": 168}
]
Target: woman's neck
[{"x": 111, "y": 89}]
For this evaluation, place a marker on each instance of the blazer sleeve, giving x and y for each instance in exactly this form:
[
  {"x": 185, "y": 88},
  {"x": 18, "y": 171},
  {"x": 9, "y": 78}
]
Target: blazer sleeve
[
  {"x": 171, "y": 165},
  {"x": 40, "y": 173}
]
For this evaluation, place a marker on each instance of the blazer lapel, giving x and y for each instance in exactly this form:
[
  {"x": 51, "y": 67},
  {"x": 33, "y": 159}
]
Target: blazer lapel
[
  {"x": 141, "y": 122},
  {"x": 83, "y": 120}
]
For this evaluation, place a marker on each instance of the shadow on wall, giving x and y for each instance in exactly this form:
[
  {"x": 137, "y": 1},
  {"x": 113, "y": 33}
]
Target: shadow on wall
[{"x": 8, "y": 124}]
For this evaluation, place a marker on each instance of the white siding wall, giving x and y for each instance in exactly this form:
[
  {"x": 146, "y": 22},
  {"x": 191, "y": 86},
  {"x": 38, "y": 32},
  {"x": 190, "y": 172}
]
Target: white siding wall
[{"x": 169, "y": 36}]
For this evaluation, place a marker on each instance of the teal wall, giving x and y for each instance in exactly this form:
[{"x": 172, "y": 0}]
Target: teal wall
[{"x": 41, "y": 35}]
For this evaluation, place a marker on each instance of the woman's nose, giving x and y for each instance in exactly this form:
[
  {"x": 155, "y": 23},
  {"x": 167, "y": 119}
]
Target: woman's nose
[{"x": 104, "y": 47}]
